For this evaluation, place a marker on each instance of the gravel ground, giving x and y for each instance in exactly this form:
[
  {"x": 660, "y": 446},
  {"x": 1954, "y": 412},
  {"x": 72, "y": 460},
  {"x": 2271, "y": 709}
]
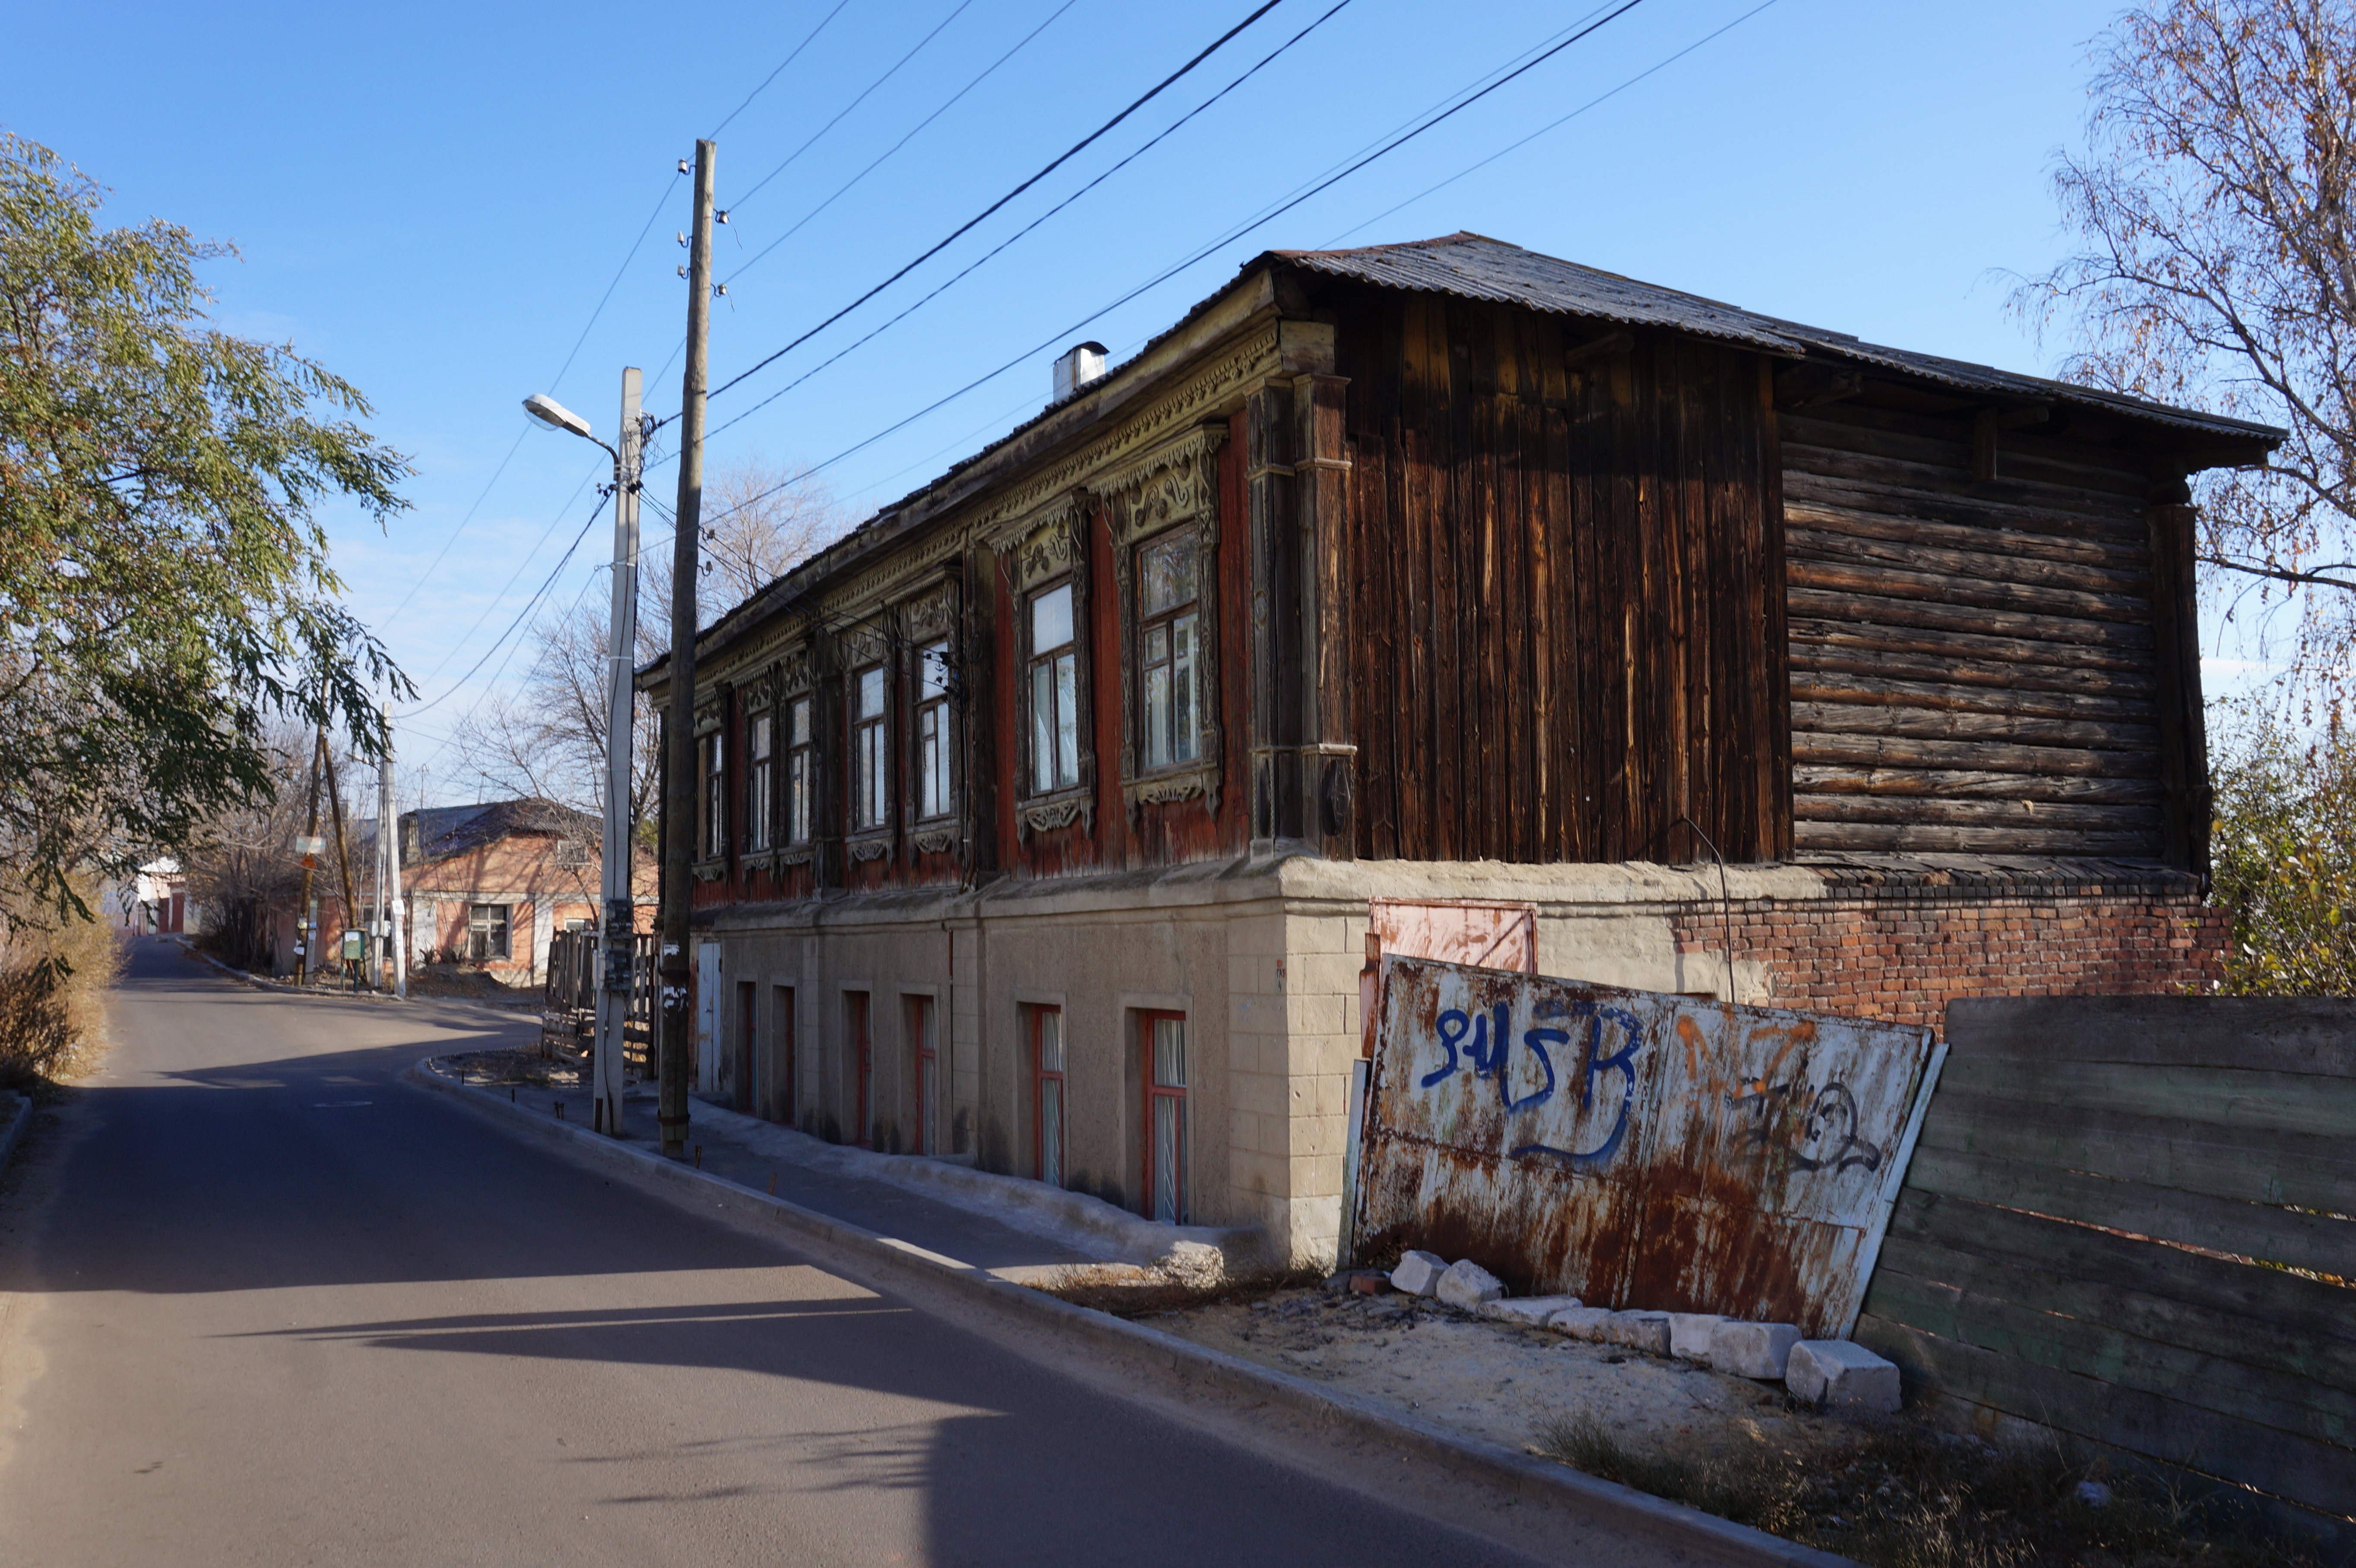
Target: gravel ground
[{"x": 1498, "y": 1381}]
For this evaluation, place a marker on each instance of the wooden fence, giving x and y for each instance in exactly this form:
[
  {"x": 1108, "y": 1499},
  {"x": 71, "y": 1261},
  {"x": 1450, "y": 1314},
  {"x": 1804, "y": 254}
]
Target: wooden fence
[
  {"x": 2129, "y": 1218},
  {"x": 569, "y": 1001}
]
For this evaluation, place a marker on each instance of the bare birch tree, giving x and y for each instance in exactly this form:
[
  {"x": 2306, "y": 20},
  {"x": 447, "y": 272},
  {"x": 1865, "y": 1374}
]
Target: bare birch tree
[
  {"x": 2212, "y": 198},
  {"x": 548, "y": 737}
]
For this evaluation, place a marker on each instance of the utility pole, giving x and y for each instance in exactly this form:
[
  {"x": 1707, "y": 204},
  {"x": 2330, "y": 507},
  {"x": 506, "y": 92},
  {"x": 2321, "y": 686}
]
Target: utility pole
[
  {"x": 343, "y": 846},
  {"x": 387, "y": 840},
  {"x": 307, "y": 913},
  {"x": 621, "y": 750},
  {"x": 679, "y": 766}
]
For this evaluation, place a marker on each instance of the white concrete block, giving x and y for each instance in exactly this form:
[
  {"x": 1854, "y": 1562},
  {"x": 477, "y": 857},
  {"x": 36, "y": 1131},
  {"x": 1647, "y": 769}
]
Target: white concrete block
[
  {"x": 1467, "y": 1284},
  {"x": 1838, "y": 1373},
  {"x": 1646, "y": 1331},
  {"x": 1530, "y": 1311},
  {"x": 1581, "y": 1322},
  {"x": 1752, "y": 1349},
  {"x": 1689, "y": 1334},
  {"x": 1419, "y": 1273}
]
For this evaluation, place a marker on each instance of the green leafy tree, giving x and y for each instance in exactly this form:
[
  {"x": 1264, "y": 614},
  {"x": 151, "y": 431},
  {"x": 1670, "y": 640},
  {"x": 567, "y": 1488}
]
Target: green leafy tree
[
  {"x": 2284, "y": 859},
  {"x": 164, "y": 588}
]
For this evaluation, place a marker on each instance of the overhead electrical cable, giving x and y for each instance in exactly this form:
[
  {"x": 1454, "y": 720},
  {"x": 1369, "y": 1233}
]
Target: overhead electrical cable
[
  {"x": 1550, "y": 125},
  {"x": 451, "y": 538},
  {"x": 970, "y": 267},
  {"x": 870, "y": 87},
  {"x": 773, "y": 76},
  {"x": 434, "y": 565},
  {"x": 554, "y": 523},
  {"x": 529, "y": 605},
  {"x": 1058, "y": 161},
  {"x": 949, "y": 103},
  {"x": 1264, "y": 217}
]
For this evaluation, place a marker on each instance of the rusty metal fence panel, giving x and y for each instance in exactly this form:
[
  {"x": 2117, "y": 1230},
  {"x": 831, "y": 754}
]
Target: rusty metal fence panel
[{"x": 1633, "y": 1148}]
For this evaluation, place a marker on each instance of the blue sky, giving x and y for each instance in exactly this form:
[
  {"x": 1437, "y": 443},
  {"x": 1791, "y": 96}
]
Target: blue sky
[{"x": 433, "y": 199}]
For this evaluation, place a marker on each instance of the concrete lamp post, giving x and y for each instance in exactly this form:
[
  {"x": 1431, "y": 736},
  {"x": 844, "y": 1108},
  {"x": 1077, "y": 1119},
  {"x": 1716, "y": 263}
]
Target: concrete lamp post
[{"x": 619, "y": 923}]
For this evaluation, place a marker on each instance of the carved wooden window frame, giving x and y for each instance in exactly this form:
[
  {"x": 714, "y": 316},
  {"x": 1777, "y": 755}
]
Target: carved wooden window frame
[
  {"x": 934, "y": 614},
  {"x": 1173, "y": 489},
  {"x": 793, "y": 687},
  {"x": 1052, "y": 552},
  {"x": 865, "y": 647},
  {"x": 711, "y": 729}
]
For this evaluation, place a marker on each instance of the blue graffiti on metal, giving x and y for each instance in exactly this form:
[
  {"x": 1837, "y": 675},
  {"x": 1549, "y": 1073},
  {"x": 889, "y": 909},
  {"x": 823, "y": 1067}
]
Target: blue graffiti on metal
[{"x": 1487, "y": 1047}]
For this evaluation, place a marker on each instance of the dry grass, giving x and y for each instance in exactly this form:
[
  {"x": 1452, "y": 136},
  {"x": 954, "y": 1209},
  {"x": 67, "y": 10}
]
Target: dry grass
[
  {"x": 53, "y": 986},
  {"x": 1907, "y": 1495}
]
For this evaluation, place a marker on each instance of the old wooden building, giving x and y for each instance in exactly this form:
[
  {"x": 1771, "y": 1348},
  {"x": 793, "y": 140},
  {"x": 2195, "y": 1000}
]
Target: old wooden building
[{"x": 1041, "y": 814}]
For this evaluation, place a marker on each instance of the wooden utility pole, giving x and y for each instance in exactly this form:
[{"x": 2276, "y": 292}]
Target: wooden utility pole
[
  {"x": 343, "y": 850},
  {"x": 305, "y": 937},
  {"x": 679, "y": 762}
]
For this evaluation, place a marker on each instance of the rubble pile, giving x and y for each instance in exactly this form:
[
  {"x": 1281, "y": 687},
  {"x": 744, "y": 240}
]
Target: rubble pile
[{"x": 1830, "y": 1373}]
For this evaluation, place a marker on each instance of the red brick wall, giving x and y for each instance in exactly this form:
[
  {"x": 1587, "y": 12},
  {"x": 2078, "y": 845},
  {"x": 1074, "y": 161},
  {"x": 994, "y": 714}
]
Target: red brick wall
[{"x": 1901, "y": 952}]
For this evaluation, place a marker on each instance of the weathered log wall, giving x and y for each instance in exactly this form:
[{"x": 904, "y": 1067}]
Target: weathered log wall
[
  {"x": 1973, "y": 662},
  {"x": 1568, "y": 601}
]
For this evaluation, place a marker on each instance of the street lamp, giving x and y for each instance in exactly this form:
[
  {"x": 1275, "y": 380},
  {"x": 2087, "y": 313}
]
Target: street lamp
[{"x": 619, "y": 923}]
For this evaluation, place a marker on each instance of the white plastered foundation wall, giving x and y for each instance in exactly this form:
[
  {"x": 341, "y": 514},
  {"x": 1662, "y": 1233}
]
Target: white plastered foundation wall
[{"x": 1260, "y": 956}]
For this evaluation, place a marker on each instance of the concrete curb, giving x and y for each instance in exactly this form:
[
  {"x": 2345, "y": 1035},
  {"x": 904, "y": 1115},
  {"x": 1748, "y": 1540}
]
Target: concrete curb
[
  {"x": 15, "y": 1132},
  {"x": 1184, "y": 1365},
  {"x": 518, "y": 1009},
  {"x": 1074, "y": 1220}
]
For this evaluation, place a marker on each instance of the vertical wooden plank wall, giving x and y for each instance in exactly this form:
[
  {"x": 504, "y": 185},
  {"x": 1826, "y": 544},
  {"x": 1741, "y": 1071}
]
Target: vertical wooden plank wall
[
  {"x": 1973, "y": 664},
  {"x": 2127, "y": 1219},
  {"x": 1567, "y": 596}
]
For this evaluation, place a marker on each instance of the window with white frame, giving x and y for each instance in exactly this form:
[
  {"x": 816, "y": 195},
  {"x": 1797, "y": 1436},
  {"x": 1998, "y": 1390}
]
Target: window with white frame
[
  {"x": 760, "y": 778},
  {"x": 933, "y": 730},
  {"x": 715, "y": 797},
  {"x": 1170, "y": 698},
  {"x": 871, "y": 781},
  {"x": 1054, "y": 692},
  {"x": 800, "y": 774}
]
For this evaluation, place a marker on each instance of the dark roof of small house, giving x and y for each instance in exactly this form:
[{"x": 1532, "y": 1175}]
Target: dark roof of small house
[
  {"x": 446, "y": 831},
  {"x": 1474, "y": 266}
]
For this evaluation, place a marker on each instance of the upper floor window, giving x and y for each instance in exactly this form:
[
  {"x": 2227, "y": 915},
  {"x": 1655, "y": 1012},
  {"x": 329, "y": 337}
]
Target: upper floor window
[
  {"x": 1055, "y": 691},
  {"x": 800, "y": 775},
  {"x": 1171, "y": 699},
  {"x": 760, "y": 778},
  {"x": 933, "y": 730},
  {"x": 870, "y": 784},
  {"x": 715, "y": 798}
]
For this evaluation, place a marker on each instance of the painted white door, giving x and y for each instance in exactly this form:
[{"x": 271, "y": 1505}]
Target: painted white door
[{"x": 707, "y": 1017}]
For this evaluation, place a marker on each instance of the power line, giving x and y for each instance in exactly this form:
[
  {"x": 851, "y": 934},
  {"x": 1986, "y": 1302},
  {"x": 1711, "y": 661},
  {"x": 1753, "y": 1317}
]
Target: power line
[
  {"x": 1070, "y": 153},
  {"x": 773, "y": 76},
  {"x": 553, "y": 524},
  {"x": 870, "y": 87},
  {"x": 1550, "y": 125},
  {"x": 950, "y": 103},
  {"x": 529, "y": 605},
  {"x": 970, "y": 267},
  {"x": 1265, "y": 217},
  {"x": 454, "y": 535}
]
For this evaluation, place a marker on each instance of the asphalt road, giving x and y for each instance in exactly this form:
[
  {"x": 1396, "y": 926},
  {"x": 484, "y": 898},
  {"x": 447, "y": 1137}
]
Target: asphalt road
[{"x": 267, "y": 1304}]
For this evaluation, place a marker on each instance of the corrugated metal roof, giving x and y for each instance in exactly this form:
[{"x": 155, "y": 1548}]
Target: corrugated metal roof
[{"x": 1474, "y": 266}]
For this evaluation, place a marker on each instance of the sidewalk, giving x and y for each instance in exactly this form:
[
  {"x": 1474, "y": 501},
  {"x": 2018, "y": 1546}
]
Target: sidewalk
[{"x": 999, "y": 1224}]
